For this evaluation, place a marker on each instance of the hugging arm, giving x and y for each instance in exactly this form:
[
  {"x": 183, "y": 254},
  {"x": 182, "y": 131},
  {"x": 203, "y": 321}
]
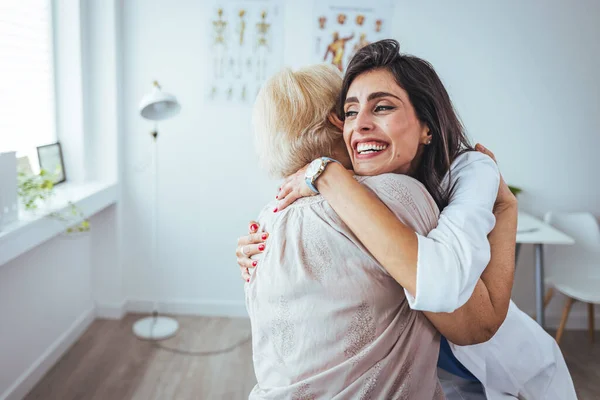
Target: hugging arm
[
  {"x": 457, "y": 249},
  {"x": 481, "y": 316},
  {"x": 450, "y": 259}
]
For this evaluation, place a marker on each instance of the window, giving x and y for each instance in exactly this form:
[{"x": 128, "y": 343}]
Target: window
[{"x": 27, "y": 95}]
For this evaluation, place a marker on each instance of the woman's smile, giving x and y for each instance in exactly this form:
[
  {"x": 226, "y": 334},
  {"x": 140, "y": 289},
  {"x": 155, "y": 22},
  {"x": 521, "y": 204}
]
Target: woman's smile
[{"x": 369, "y": 149}]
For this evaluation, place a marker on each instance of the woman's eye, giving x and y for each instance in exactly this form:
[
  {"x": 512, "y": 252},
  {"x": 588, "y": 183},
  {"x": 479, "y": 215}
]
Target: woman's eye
[
  {"x": 383, "y": 108},
  {"x": 349, "y": 114}
]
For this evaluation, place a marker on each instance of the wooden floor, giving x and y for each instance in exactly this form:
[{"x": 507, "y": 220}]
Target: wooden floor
[
  {"x": 109, "y": 363},
  {"x": 583, "y": 359}
]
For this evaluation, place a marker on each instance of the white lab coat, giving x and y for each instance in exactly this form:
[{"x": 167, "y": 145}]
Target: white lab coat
[{"x": 521, "y": 360}]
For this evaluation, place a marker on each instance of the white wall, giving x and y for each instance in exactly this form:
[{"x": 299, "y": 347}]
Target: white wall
[
  {"x": 523, "y": 76},
  {"x": 102, "y": 74},
  {"x": 48, "y": 297},
  {"x": 209, "y": 185},
  {"x": 45, "y": 295},
  {"x": 69, "y": 86}
]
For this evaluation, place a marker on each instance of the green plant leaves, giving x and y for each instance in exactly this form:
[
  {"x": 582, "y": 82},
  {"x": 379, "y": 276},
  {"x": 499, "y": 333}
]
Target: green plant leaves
[
  {"x": 36, "y": 189},
  {"x": 515, "y": 190}
]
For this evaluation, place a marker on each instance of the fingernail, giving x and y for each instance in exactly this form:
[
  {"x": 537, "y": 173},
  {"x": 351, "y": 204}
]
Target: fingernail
[
  {"x": 275, "y": 210},
  {"x": 253, "y": 227},
  {"x": 248, "y": 280},
  {"x": 254, "y": 263},
  {"x": 261, "y": 247},
  {"x": 280, "y": 189},
  {"x": 264, "y": 236},
  {"x": 277, "y": 197}
]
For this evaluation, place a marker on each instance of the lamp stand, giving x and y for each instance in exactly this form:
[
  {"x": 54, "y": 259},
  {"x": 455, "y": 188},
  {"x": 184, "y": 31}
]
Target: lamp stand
[{"x": 155, "y": 327}]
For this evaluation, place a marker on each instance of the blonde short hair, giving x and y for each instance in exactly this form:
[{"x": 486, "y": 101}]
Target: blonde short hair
[{"x": 290, "y": 118}]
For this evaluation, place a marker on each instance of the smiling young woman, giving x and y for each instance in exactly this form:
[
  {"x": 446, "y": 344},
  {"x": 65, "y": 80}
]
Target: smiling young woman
[
  {"x": 381, "y": 129},
  {"x": 398, "y": 121}
]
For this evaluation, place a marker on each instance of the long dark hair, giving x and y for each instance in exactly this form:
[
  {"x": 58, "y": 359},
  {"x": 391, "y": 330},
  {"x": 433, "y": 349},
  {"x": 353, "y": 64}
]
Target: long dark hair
[{"x": 432, "y": 105}]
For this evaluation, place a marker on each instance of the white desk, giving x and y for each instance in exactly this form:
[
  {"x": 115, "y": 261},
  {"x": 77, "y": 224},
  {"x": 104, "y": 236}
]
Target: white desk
[{"x": 531, "y": 230}]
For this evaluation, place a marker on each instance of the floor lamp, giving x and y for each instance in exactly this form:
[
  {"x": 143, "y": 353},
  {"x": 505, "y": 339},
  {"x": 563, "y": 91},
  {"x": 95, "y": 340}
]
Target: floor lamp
[{"x": 156, "y": 106}]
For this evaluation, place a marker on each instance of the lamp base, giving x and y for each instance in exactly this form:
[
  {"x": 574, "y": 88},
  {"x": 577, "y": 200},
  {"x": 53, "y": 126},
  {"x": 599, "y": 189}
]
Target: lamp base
[{"x": 155, "y": 328}]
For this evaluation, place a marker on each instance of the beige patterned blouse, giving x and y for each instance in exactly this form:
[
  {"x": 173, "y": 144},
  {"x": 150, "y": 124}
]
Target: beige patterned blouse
[{"x": 328, "y": 322}]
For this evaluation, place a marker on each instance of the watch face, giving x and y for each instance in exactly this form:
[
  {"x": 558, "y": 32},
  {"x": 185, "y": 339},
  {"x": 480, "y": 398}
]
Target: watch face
[{"x": 313, "y": 168}]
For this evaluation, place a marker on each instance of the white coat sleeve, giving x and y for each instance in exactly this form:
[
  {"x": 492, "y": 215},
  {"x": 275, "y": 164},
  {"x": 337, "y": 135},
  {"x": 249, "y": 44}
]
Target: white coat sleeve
[{"x": 452, "y": 257}]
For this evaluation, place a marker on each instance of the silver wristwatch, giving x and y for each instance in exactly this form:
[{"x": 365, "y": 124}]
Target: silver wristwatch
[{"x": 315, "y": 169}]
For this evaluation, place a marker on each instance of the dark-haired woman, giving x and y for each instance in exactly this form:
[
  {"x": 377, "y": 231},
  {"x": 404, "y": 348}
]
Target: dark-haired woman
[{"x": 398, "y": 118}]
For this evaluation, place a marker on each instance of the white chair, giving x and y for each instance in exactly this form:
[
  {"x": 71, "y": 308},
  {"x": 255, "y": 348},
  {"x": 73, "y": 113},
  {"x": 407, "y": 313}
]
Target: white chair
[{"x": 574, "y": 270}]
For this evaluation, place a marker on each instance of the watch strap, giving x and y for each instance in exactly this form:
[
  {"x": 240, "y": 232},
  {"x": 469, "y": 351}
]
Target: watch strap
[{"x": 310, "y": 181}]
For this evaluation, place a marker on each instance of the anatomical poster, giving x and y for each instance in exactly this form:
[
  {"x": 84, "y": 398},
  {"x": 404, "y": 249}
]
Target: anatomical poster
[
  {"x": 342, "y": 27},
  {"x": 246, "y": 48}
]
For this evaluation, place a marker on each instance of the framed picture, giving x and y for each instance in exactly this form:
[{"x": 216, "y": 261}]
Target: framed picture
[{"x": 51, "y": 160}]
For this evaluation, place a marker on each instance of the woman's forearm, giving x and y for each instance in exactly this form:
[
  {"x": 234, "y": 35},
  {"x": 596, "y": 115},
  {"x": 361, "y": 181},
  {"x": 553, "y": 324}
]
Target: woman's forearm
[
  {"x": 395, "y": 246},
  {"x": 498, "y": 277},
  {"x": 479, "y": 319},
  {"x": 471, "y": 323},
  {"x": 391, "y": 242}
]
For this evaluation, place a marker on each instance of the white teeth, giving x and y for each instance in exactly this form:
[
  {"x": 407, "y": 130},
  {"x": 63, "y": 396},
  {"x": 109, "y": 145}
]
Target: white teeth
[{"x": 367, "y": 148}]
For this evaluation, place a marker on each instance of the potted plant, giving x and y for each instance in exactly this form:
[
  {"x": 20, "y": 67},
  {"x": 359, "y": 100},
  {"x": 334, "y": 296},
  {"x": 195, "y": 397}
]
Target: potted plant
[
  {"x": 515, "y": 190},
  {"x": 34, "y": 190}
]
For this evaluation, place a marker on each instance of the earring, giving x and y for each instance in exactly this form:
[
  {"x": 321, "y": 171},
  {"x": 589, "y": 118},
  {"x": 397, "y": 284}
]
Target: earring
[{"x": 428, "y": 142}]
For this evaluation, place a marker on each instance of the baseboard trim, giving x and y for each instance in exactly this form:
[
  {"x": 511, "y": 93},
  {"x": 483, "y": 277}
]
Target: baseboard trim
[
  {"x": 111, "y": 311},
  {"x": 42, "y": 365},
  {"x": 209, "y": 308}
]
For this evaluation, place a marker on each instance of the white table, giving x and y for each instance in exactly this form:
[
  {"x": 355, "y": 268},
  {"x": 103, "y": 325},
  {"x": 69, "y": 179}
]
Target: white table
[{"x": 531, "y": 230}]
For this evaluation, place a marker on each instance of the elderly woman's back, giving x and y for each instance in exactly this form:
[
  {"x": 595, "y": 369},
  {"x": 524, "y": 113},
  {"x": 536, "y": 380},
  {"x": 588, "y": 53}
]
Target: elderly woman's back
[{"x": 328, "y": 322}]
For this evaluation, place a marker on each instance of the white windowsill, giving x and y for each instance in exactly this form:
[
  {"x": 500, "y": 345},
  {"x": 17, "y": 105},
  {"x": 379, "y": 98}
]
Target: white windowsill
[{"x": 34, "y": 228}]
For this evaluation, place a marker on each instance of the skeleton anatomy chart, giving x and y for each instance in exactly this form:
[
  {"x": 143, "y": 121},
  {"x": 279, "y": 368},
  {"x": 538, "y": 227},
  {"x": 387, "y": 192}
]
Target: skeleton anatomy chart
[
  {"x": 246, "y": 48},
  {"x": 342, "y": 27}
]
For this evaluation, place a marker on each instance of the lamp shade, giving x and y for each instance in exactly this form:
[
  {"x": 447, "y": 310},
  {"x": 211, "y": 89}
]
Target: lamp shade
[{"x": 158, "y": 105}]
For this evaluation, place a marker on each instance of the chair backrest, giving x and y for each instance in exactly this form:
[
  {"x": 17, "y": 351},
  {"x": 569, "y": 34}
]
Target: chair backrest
[{"x": 581, "y": 258}]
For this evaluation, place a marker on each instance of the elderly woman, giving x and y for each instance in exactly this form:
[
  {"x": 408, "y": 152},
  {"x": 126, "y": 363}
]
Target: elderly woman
[{"x": 384, "y": 133}]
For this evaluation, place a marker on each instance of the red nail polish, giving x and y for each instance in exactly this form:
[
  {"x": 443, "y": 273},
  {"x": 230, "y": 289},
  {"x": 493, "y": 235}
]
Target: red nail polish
[
  {"x": 261, "y": 247},
  {"x": 248, "y": 280},
  {"x": 253, "y": 227},
  {"x": 264, "y": 236},
  {"x": 280, "y": 189},
  {"x": 275, "y": 210},
  {"x": 254, "y": 263},
  {"x": 277, "y": 197}
]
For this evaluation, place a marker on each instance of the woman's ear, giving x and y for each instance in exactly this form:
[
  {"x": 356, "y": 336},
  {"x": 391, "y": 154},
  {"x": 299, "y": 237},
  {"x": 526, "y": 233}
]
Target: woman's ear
[
  {"x": 338, "y": 123},
  {"x": 426, "y": 136}
]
